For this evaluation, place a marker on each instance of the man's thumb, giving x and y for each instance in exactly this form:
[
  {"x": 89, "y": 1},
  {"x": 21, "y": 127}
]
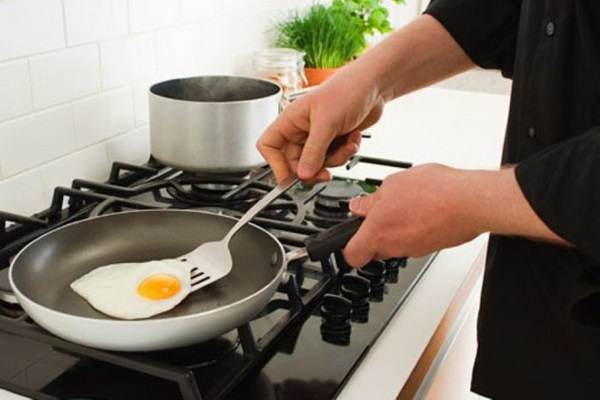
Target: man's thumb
[{"x": 361, "y": 205}]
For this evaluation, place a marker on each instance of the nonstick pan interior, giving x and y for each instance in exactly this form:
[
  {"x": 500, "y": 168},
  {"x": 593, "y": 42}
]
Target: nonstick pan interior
[{"x": 44, "y": 270}]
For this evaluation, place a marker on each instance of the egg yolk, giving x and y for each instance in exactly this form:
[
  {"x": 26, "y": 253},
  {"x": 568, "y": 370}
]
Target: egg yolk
[{"x": 159, "y": 287}]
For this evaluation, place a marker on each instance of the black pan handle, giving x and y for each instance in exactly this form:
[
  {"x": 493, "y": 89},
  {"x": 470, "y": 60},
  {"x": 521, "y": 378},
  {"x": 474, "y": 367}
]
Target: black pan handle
[{"x": 321, "y": 245}]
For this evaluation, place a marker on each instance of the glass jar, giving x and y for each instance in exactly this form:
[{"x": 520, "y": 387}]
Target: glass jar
[{"x": 280, "y": 65}]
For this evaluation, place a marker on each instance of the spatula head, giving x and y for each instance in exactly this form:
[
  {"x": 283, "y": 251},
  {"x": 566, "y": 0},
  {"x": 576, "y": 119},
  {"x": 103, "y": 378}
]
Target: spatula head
[{"x": 212, "y": 261}]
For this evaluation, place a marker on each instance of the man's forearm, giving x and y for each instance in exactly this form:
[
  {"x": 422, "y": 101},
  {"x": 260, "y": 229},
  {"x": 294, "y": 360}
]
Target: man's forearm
[
  {"x": 432, "y": 206},
  {"x": 418, "y": 55},
  {"x": 499, "y": 206}
]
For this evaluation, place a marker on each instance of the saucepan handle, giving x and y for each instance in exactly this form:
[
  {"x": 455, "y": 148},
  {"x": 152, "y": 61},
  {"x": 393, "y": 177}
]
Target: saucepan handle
[{"x": 321, "y": 245}]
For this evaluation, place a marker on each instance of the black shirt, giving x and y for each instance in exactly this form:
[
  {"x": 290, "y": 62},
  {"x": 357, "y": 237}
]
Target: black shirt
[{"x": 539, "y": 321}]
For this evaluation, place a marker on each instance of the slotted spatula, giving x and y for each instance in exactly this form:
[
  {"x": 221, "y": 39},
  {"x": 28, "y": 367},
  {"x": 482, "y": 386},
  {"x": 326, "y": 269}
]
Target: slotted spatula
[{"x": 212, "y": 260}]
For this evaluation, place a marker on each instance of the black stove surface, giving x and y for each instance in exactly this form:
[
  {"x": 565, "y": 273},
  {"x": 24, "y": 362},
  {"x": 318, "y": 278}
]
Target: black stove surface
[{"x": 304, "y": 345}]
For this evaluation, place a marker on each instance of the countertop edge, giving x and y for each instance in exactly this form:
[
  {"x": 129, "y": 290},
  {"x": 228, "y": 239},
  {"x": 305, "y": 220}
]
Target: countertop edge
[{"x": 388, "y": 366}]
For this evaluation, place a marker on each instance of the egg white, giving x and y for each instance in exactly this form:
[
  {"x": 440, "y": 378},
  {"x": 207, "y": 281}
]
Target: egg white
[{"x": 112, "y": 289}]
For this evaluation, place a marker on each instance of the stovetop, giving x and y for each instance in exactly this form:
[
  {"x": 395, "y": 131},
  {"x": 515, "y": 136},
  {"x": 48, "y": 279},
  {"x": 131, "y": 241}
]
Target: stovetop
[{"x": 305, "y": 344}]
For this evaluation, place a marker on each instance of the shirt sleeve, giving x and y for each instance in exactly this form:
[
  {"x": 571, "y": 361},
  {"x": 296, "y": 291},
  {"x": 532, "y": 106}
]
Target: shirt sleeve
[
  {"x": 485, "y": 29},
  {"x": 562, "y": 185}
]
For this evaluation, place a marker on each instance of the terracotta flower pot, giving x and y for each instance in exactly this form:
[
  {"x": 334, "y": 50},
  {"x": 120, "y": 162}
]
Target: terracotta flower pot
[{"x": 315, "y": 76}]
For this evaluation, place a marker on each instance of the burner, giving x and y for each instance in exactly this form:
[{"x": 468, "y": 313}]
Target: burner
[
  {"x": 335, "y": 197},
  {"x": 331, "y": 203},
  {"x": 213, "y": 187},
  {"x": 215, "y": 191},
  {"x": 201, "y": 354}
]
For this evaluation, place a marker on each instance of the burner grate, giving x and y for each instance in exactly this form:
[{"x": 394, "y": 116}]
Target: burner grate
[
  {"x": 285, "y": 332},
  {"x": 182, "y": 366}
]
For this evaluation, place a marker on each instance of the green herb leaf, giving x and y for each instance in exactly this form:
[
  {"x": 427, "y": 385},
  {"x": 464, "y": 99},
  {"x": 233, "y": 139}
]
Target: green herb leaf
[{"x": 332, "y": 35}]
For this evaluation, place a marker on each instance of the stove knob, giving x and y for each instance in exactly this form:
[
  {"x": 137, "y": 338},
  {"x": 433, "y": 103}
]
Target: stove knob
[
  {"x": 392, "y": 268},
  {"x": 396, "y": 263},
  {"x": 335, "y": 309},
  {"x": 374, "y": 271},
  {"x": 335, "y": 319},
  {"x": 357, "y": 289}
]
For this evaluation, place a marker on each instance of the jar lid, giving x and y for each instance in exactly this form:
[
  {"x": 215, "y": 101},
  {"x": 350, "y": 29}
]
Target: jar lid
[{"x": 278, "y": 58}]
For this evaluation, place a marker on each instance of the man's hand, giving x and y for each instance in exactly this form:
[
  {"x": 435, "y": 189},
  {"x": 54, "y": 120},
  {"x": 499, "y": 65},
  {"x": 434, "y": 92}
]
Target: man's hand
[
  {"x": 431, "y": 207},
  {"x": 302, "y": 138}
]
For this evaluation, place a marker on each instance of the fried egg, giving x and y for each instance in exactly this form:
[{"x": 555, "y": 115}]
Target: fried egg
[{"x": 135, "y": 290}]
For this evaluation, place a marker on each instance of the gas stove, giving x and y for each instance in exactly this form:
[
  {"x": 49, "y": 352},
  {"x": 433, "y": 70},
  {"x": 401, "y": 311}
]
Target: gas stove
[{"x": 303, "y": 345}]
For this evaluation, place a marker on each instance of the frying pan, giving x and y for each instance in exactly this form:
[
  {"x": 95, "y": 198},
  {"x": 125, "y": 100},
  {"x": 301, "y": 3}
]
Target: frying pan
[{"x": 41, "y": 273}]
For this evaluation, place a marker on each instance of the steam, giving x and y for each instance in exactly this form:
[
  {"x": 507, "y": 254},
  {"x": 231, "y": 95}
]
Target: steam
[{"x": 215, "y": 89}]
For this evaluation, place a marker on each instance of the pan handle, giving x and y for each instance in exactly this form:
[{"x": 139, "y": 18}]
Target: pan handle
[{"x": 321, "y": 245}]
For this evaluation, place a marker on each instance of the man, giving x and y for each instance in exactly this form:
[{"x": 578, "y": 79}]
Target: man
[{"x": 539, "y": 322}]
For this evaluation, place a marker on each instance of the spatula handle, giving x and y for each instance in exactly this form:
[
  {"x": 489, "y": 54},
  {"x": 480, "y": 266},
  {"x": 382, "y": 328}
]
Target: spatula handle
[
  {"x": 321, "y": 245},
  {"x": 262, "y": 203}
]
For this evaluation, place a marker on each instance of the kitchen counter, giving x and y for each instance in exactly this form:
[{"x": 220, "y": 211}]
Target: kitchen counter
[{"x": 457, "y": 128}]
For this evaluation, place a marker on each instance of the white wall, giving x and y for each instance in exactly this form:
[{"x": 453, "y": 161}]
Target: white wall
[{"x": 74, "y": 76}]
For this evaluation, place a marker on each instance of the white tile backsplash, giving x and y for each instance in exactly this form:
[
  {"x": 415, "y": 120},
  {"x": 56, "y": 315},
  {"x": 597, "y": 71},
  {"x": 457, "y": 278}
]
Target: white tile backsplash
[
  {"x": 148, "y": 15},
  {"x": 35, "y": 139},
  {"x": 133, "y": 147},
  {"x": 23, "y": 193},
  {"x": 103, "y": 116},
  {"x": 75, "y": 76},
  {"x": 92, "y": 20},
  {"x": 91, "y": 164},
  {"x": 15, "y": 96},
  {"x": 64, "y": 75},
  {"x": 140, "y": 102},
  {"x": 128, "y": 59},
  {"x": 194, "y": 10},
  {"x": 188, "y": 52},
  {"x": 30, "y": 26},
  {"x": 230, "y": 54}
]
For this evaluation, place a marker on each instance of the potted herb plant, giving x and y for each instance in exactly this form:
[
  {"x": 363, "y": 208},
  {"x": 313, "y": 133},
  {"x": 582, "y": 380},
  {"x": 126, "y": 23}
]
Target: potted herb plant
[
  {"x": 374, "y": 16},
  {"x": 332, "y": 35}
]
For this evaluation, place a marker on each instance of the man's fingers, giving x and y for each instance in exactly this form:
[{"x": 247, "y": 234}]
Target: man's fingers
[
  {"x": 342, "y": 149},
  {"x": 276, "y": 160},
  {"x": 281, "y": 146},
  {"x": 320, "y": 152},
  {"x": 357, "y": 252},
  {"x": 287, "y": 146},
  {"x": 315, "y": 149},
  {"x": 361, "y": 206}
]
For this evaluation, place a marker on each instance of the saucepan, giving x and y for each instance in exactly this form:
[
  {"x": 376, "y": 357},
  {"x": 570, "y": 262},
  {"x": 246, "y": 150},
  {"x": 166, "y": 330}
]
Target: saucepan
[
  {"x": 41, "y": 273},
  {"x": 211, "y": 123}
]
